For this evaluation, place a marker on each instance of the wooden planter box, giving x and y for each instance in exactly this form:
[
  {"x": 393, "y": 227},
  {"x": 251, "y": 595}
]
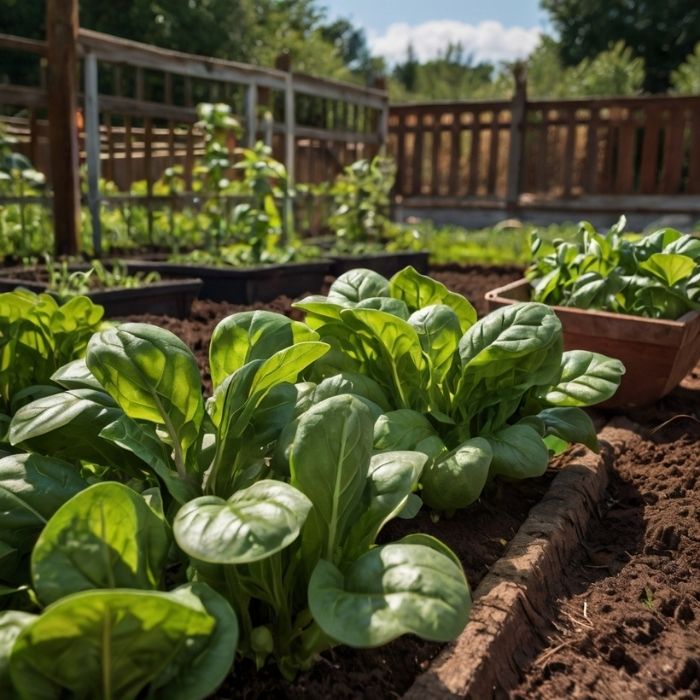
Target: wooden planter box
[
  {"x": 657, "y": 353},
  {"x": 244, "y": 285},
  {"x": 386, "y": 264},
  {"x": 166, "y": 297}
]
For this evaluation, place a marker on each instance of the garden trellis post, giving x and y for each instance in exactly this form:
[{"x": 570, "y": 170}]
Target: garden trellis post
[
  {"x": 284, "y": 63},
  {"x": 61, "y": 86},
  {"x": 517, "y": 136},
  {"x": 92, "y": 148}
]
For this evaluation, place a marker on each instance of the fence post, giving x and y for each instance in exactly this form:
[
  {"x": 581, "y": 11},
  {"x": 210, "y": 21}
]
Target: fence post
[
  {"x": 284, "y": 63},
  {"x": 61, "y": 79},
  {"x": 251, "y": 118},
  {"x": 517, "y": 137},
  {"x": 92, "y": 148},
  {"x": 380, "y": 84}
]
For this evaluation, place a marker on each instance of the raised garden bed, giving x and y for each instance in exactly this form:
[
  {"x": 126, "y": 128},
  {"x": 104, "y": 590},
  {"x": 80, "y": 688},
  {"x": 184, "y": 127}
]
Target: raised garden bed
[
  {"x": 386, "y": 264},
  {"x": 243, "y": 285},
  {"x": 657, "y": 353},
  {"x": 169, "y": 297},
  {"x": 390, "y": 671}
]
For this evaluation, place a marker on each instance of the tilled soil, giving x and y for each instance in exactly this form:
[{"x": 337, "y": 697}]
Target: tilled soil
[{"x": 627, "y": 624}]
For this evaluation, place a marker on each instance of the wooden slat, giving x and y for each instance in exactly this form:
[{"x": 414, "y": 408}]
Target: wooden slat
[
  {"x": 493, "y": 156},
  {"x": 128, "y": 146},
  {"x": 455, "y": 152},
  {"x": 18, "y": 43},
  {"x": 542, "y": 154},
  {"x": 694, "y": 166},
  {"x": 590, "y": 174},
  {"x": 650, "y": 150},
  {"x": 20, "y": 96},
  {"x": 148, "y": 149},
  {"x": 400, "y": 156},
  {"x": 475, "y": 130},
  {"x": 435, "y": 159},
  {"x": 417, "y": 169},
  {"x": 674, "y": 147},
  {"x": 624, "y": 183},
  {"x": 569, "y": 145}
]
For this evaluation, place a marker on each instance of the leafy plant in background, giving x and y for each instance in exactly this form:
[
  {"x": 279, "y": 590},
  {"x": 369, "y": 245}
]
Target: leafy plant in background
[
  {"x": 67, "y": 282},
  {"x": 37, "y": 336},
  {"x": 24, "y": 227},
  {"x": 361, "y": 203},
  {"x": 657, "y": 275},
  {"x": 292, "y": 549},
  {"x": 480, "y": 398},
  {"x": 219, "y": 130}
]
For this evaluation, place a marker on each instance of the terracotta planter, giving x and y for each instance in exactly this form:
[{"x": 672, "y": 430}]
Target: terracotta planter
[
  {"x": 386, "y": 264},
  {"x": 657, "y": 353},
  {"x": 166, "y": 297},
  {"x": 244, "y": 285}
]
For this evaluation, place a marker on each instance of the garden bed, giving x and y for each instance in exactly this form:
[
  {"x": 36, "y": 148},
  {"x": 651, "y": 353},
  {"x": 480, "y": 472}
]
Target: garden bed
[
  {"x": 647, "y": 537},
  {"x": 169, "y": 297},
  {"x": 243, "y": 285}
]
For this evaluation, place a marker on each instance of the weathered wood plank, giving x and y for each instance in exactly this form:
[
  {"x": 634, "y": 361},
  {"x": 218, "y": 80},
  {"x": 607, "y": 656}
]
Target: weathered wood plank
[
  {"x": 62, "y": 71},
  {"x": 648, "y": 173},
  {"x": 674, "y": 151}
]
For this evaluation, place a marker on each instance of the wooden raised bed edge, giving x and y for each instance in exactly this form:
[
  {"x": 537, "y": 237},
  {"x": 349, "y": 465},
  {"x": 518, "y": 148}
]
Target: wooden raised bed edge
[
  {"x": 657, "y": 353},
  {"x": 503, "y": 633},
  {"x": 243, "y": 285},
  {"x": 386, "y": 264},
  {"x": 162, "y": 298}
]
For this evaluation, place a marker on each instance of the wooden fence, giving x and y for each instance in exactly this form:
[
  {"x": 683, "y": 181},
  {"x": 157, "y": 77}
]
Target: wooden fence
[
  {"x": 135, "y": 114},
  {"x": 606, "y": 152}
]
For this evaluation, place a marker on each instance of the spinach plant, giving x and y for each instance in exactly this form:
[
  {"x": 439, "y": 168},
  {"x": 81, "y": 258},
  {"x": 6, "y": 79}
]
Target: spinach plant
[
  {"x": 361, "y": 203},
  {"x": 298, "y": 560},
  {"x": 105, "y": 627},
  {"x": 657, "y": 275},
  {"x": 37, "y": 336},
  {"x": 292, "y": 548},
  {"x": 480, "y": 398}
]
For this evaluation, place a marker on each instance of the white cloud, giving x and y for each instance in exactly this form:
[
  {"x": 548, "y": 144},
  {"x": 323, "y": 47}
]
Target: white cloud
[{"x": 488, "y": 41}]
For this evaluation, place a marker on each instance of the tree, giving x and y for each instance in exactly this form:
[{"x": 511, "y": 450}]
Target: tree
[
  {"x": 662, "y": 32},
  {"x": 685, "y": 80},
  {"x": 251, "y": 31}
]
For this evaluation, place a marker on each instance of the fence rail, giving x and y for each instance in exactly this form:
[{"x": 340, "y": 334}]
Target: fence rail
[
  {"x": 509, "y": 152},
  {"x": 136, "y": 113}
]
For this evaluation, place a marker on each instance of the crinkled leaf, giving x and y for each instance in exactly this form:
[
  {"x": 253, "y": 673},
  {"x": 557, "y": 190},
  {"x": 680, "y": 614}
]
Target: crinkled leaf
[
  {"x": 401, "y": 430},
  {"x": 32, "y": 489},
  {"x": 457, "y": 479},
  {"x": 104, "y": 537},
  {"x": 419, "y": 291},
  {"x": 167, "y": 643},
  {"x": 253, "y": 524},
  {"x": 329, "y": 463},
  {"x": 393, "y": 476},
  {"x": 518, "y": 452},
  {"x": 252, "y": 335},
  {"x": 571, "y": 424},
  {"x": 358, "y": 284},
  {"x": 153, "y": 376},
  {"x": 586, "y": 378},
  {"x": 389, "y": 591}
]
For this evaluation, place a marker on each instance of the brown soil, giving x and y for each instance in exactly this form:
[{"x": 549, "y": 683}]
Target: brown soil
[{"x": 627, "y": 624}]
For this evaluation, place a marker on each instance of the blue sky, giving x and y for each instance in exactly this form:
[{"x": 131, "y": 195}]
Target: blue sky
[{"x": 492, "y": 30}]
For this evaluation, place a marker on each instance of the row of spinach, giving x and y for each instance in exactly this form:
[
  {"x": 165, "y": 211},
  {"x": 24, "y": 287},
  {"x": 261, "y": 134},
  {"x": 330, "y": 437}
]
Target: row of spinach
[{"x": 147, "y": 534}]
